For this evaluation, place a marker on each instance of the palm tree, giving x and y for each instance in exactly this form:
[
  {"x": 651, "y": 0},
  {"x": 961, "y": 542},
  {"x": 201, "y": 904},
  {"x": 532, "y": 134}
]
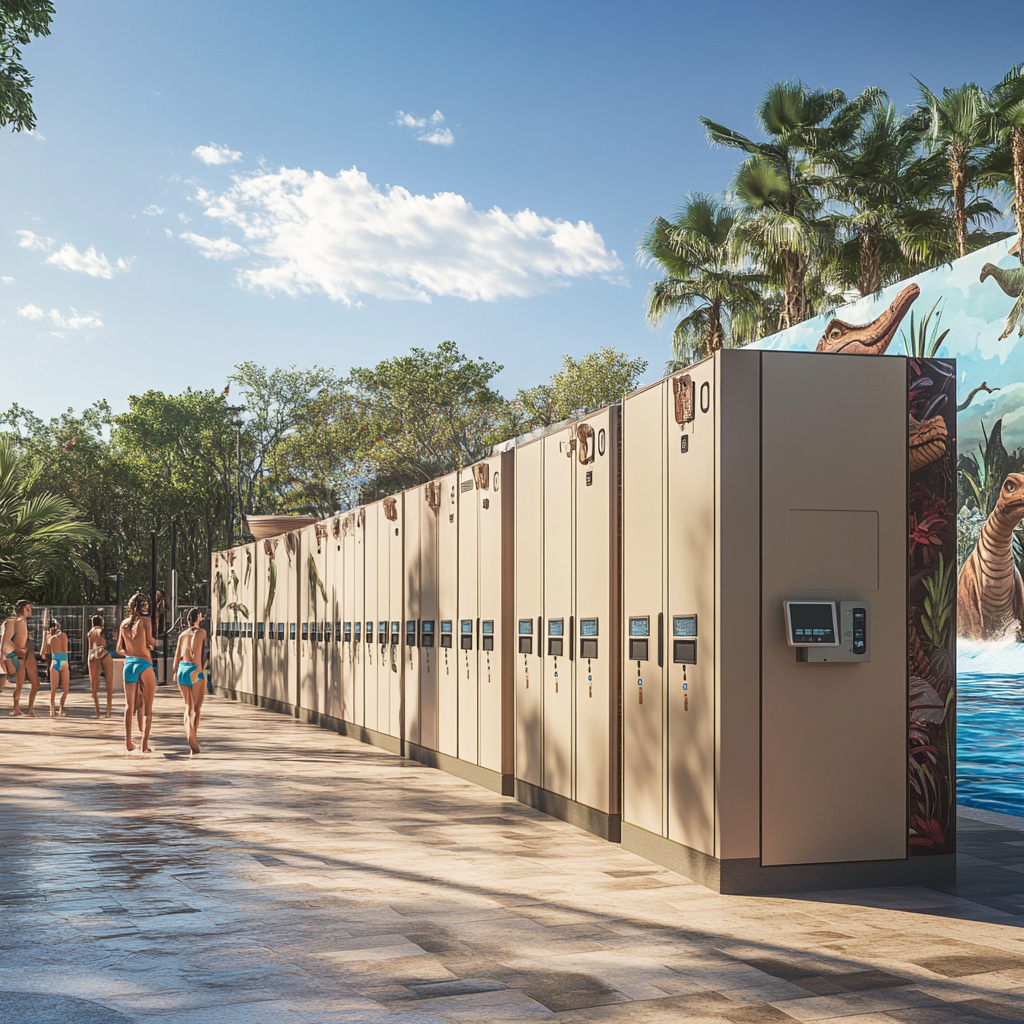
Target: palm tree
[
  {"x": 960, "y": 128},
  {"x": 39, "y": 531},
  {"x": 720, "y": 297},
  {"x": 780, "y": 184},
  {"x": 1008, "y": 114},
  {"x": 891, "y": 218}
]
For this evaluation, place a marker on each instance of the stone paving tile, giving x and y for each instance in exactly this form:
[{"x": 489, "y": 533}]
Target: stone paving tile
[{"x": 289, "y": 874}]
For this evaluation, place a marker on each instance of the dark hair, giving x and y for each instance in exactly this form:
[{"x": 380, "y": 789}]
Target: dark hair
[
  {"x": 54, "y": 624},
  {"x": 20, "y": 606},
  {"x": 193, "y": 614},
  {"x": 135, "y": 603},
  {"x": 97, "y": 620}
]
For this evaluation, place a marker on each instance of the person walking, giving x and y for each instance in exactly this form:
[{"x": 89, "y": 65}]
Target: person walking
[
  {"x": 31, "y": 674},
  {"x": 14, "y": 649},
  {"x": 100, "y": 661},
  {"x": 135, "y": 641},
  {"x": 60, "y": 672},
  {"x": 189, "y": 671}
]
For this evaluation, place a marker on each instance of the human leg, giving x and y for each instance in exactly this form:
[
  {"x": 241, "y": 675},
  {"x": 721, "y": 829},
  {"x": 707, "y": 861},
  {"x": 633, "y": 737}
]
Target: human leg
[
  {"x": 198, "y": 694},
  {"x": 108, "y": 675},
  {"x": 19, "y": 680},
  {"x": 148, "y": 696},
  {"x": 54, "y": 683},
  {"x": 94, "y": 684},
  {"x": 33, "y": 681},
  {"x": 131, "y": 694},
  {"x": 65, "y": 683}
]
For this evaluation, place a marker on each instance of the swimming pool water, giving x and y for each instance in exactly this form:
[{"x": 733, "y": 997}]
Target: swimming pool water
[{"x": 990, "y": 728}]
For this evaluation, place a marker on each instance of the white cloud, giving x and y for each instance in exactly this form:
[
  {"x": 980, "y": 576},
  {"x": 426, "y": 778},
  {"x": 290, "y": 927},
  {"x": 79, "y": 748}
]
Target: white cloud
[
  {"x": 153, "y": 210},
  {"x": 30, "y": 240},
  {"x": 438, "y": 136},
  {"x": 215, "y": 154},
  {"x": 214, "y": 248},
  {"x": 75, "y": 321},
  {"x": 7, "y": 280},
  {"x": 90, "y": 262},
  {"x": 344, "y": 237}
]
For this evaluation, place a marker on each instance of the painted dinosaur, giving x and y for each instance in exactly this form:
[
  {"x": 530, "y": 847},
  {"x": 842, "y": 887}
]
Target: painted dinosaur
[
  {"x": 991, "y": 592},
  {"x": 868, "y": 339},
  {"x": 1011, "y": 280}
]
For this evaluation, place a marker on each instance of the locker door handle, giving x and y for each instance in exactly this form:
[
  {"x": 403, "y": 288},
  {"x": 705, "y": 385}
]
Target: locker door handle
[
  {"x": 661, "y": 639},
  {"x": 540, "y": 636},
  {"x": 572, "y": 637}
]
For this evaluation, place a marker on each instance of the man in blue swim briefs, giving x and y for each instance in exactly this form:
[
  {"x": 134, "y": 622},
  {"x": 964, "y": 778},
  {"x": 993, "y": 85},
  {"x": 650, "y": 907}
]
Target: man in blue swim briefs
[
  {"x": 135, "y": 641},
  {"x": 188, "y": 671},
  {"x": 14, "y": 650}
]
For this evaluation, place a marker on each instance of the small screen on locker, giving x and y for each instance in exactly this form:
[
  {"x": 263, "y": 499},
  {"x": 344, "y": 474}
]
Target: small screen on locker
[
  {"x": 640, "y": 626},
  {"x": 556, "y": 627},
  {"x": 588, "y": 627},
  {"x": 526, "y": 627},
  {"x": 812, "y": 623},
  {"x": 684, "y": 625}
]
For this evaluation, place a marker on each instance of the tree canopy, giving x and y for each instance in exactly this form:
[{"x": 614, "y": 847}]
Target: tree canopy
[{"x": 20, "y": 21}]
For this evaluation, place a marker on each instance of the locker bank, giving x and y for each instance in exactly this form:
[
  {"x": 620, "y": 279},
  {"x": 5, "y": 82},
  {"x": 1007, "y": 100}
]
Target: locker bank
[{"x": 680, "y": 622}]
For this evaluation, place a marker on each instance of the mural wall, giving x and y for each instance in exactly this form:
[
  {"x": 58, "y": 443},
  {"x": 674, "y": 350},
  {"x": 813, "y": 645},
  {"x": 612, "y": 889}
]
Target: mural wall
[{"x": 972, "y": 311}]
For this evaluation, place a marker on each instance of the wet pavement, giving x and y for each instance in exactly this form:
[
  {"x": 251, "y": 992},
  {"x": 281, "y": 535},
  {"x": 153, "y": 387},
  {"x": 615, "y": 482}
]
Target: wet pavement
[{"x": 290, "y": 874}]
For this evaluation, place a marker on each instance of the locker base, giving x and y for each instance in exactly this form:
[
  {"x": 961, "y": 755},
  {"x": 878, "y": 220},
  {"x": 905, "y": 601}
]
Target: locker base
[
  {"x": 496, "y": 782},
  {"x": 747, "y": 877},
  {"x": 240, "y": 695},
  {"x": 598, "y": 823}
]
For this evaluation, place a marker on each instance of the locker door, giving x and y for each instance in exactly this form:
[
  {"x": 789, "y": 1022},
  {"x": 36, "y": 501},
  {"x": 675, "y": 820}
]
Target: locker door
[
  {"x": 371, "y": 600},
  {"x": 412, "y": 500},
  {"x": 290, "y": 677},
  {"x": 690, "y": 613},
  {"x": 396, "y": 602},
  {"x": 467, "y": 637},
  {"x": 495, "y": 606},
  {"x": 595, "y": 613},
  {"x": 429, "y": 651},
  {"x": 643, "y": 432},
  {"x": 558, "y": 601},
  {"x": 529, "y": 611},
  {"x": 261, "y": 570},
  {"x": 359, "y": 646},
  {"x": 335, "y": 585},
  {"x": 348, "y": 689},
  {"x": 448, "y": 616}
]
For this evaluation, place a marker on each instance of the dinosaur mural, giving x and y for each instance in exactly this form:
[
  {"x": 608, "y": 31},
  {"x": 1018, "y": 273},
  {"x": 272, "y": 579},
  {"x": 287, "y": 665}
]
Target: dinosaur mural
[
  {"x": 990, "y": 598},
  {"x": 868, "y": 339}
]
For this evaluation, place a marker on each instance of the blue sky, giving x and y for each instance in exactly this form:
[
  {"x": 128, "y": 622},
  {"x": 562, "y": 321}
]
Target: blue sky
[{"x": 346, "y": 220}]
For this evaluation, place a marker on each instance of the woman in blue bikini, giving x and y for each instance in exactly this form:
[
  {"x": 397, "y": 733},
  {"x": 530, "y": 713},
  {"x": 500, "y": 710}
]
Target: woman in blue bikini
[
  {"x": 60, "y": 673},
  {"x": 135, "y": 641},
  {"x": 188, "y": 671}
]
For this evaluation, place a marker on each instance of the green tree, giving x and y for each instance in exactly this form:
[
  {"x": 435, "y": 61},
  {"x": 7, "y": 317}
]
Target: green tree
[
  {"x": 719, "y": 295},
  {"x": 1008, "y": 116},
  {"x": 783, "y": 226},
  {"x": 421, "y": 415},
  {"x": 960, "y": 127},
  {"x": 20, "y": 20},
  {"x": 41, "y": 534}
]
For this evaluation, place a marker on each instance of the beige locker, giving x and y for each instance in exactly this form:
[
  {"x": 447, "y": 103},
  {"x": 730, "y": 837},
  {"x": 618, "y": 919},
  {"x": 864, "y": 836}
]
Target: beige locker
[
  {"x": 245, "y": 654},
  {"x": 394, "y": 525},
  {"x": 595, "y": 634},
  {"x": 643, "y": 525},
  {"x": 468, "y": 620},
  {"x": 495, "y": 495},
  {"x": 558, "y": 600},
  {"x": 348, "y": 614},
  {"x": 312, "y": 667},
  {"x": 359, "y": 645},
  {"x": 529, "y": 611},
  {"x": 412, "y": 499},
  {"x": 428, "y": 505},
  {"x": 334, "y": 582},
  {"x": 262, "y": 649},
  {"x": 371, "y": 597},
  {"x": 448, "y": 616}
]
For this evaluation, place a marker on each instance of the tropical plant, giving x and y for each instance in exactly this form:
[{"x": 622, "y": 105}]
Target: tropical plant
[
  {"x": 41, "y": 533},
  {"x": 924, "y": 340},
  {"x": 940, "y": 588},
  {"x": 1007, "y": 101},
  {"x": 960, "y": 127},
  {"x": 718, "y": 293},
  {"x": 783, "y": 224}
]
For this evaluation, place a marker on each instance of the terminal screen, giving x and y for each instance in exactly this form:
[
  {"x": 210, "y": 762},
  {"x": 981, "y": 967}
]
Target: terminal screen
[
  {"x": 526, "y": 627},
  {"x": 812, "y": 623},
  {"x": 684, "y": 625},
  {"x": 488, "y": 627},
  {"x": 467, "y": 625},
  {"x": 384, "y": 627},
  {"x": 446, "y": 626},
  {"x": 588, "y": 627},
  {"x": 428, "y": 626},
  {"x": 640, "y": 626},
  {"x": 556, "y": 627}
]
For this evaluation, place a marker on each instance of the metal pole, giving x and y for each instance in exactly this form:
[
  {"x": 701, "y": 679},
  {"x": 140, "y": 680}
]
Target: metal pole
[
  {"x": 120, "y": 597},
  {"x": 172, "y": 596},
  {"x": 152, "y": 584}
]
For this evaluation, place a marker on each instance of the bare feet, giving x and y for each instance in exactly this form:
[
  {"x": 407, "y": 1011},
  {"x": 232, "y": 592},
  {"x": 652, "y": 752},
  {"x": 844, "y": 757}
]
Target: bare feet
[
  {"x": 30, "y": 713},
  {"x": 17, "y": 712},
  {"x": 145, "y": 748},
  {"x": 128, "y": 745},
  {"x": 53, "y": 711}
]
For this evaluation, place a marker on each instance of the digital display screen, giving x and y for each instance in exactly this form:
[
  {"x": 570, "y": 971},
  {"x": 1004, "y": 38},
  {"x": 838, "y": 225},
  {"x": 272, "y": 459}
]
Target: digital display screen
[
  {"x": 427, "y": 626},
  {"x": 556, "y": 627},
  {"x": 488, "y": 627},
  {"x": 588, "y": 627},
  {"x": 640, "y": 626},
  {"x": 280, "y": 631},
  {"x": 359, "y": 627},
  {"x": 812, "y": 623},
  {"x": 526, "y": 627},
  {"x": 467, "y": 626},
  {"x": 410, "y": 625},
  {"x": 446, "y": 626},
  {"x": 394, "y": 627},
  {"x": 383, "y": 627},
  {"x": 684, "y": 625}
]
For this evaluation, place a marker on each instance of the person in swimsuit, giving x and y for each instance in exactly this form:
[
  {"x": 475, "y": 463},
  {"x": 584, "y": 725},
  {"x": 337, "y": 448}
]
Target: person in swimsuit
[
  {"x": 31, "y": 674},
  {"x": 135, "y": 641},
  {"x": 60, "y": 671},
  {"x": 100, "y": 661},
  {"x": 189, "y": 672},
  {"x": 15, "y": 649}
]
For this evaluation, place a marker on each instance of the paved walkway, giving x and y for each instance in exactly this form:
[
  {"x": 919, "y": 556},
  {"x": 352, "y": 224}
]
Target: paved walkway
[{"x": 289, "y": 874}]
